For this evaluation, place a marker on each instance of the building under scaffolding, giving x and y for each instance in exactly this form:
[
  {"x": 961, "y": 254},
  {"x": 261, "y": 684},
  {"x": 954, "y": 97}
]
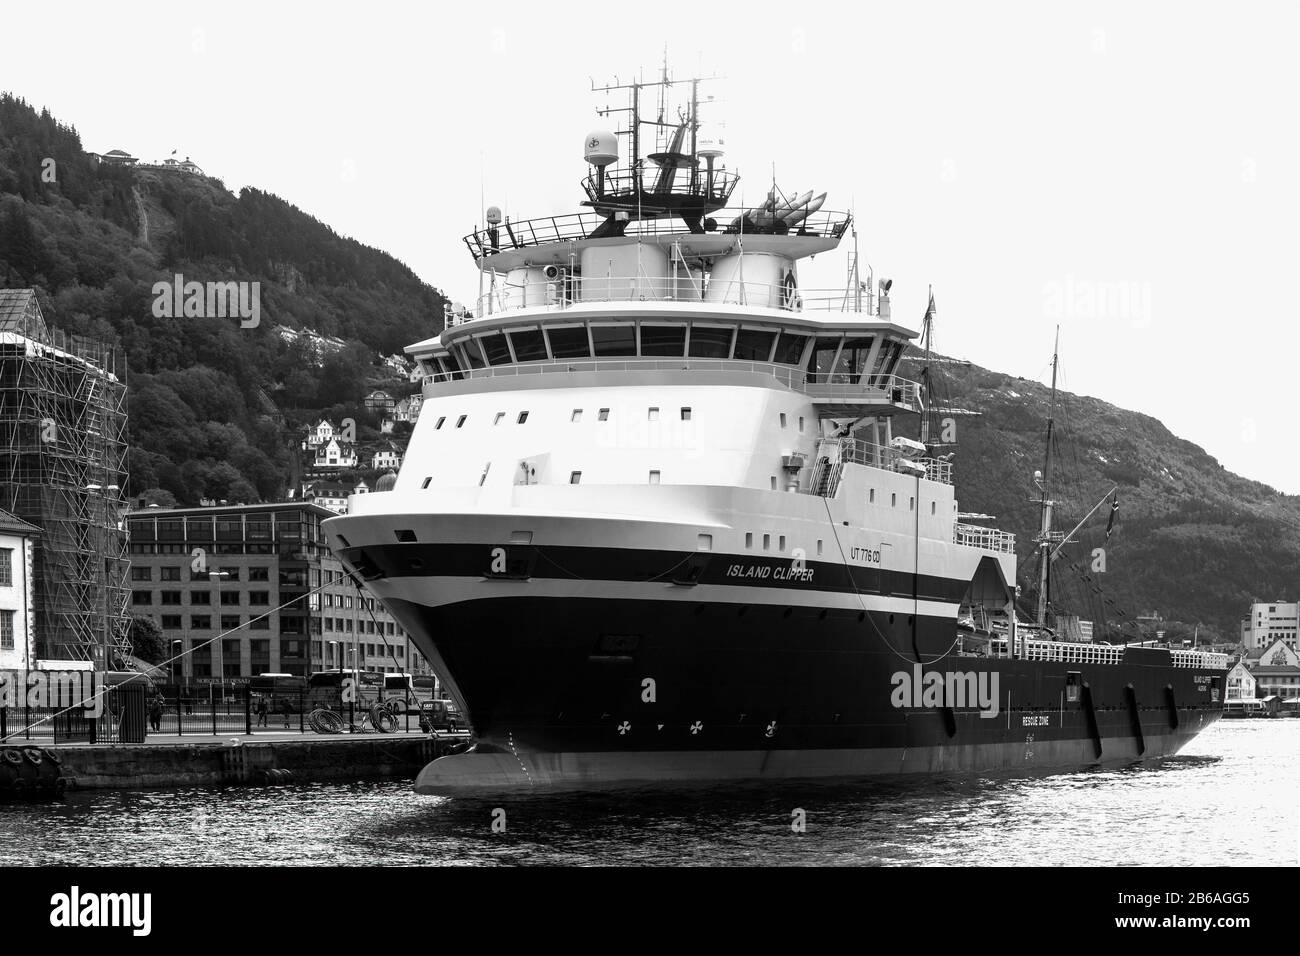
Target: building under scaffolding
[{"x": 63, "y": 468}]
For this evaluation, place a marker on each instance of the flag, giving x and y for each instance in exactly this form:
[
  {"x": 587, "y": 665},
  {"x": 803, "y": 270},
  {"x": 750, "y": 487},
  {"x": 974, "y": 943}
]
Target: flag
[
  {"x": 1110, "y": 522},
  {"x": 929, "y": 311}
]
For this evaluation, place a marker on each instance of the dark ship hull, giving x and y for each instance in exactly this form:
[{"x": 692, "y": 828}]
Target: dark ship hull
[{"x": 593, "y": 691}]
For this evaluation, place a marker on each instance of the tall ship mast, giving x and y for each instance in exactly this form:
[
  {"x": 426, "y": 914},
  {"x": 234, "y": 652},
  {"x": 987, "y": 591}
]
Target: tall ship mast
[{"x": 658, "y": 521}]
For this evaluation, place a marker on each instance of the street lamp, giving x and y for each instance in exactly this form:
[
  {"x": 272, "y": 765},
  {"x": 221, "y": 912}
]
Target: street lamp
[
  {"x": 217, "y": 577},
  {"x": 176, "y": 654}
]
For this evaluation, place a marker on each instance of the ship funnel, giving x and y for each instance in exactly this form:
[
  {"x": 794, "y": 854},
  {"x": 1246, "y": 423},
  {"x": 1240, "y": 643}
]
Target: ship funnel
[{"x": 601, "y": 148}]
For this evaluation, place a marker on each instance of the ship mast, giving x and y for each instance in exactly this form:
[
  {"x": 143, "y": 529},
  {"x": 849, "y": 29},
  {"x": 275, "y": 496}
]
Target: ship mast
[{"x": 1046, "y": 536}]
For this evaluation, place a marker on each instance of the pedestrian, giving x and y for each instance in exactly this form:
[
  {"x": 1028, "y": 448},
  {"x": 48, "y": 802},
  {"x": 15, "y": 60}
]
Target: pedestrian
[
  {"x": 155, "y": 714},
  {"x": 283, "y": 704},
  {"x": 261, "y": 711}
]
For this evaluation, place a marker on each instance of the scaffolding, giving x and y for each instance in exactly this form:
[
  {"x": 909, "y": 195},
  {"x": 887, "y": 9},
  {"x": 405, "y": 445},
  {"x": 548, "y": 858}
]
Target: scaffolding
[{"x": 63, "y": 454}]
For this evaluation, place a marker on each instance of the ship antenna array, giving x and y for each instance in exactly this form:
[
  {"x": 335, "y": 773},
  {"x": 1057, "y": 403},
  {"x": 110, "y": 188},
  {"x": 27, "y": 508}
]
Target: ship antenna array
[{"x": 1045, "y": 535}]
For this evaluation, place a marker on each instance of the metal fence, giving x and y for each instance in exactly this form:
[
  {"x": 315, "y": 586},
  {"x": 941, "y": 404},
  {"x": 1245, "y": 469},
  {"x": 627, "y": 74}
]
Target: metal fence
[{"x": 131, "y": 715}]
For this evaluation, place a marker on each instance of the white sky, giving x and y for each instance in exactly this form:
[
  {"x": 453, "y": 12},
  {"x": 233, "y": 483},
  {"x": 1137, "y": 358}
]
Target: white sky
[{"x": 1023, "y": 158}]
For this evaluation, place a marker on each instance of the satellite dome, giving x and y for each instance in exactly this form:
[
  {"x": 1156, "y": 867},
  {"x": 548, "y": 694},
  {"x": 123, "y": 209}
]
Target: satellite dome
[
  {"x": 601, "y": 148},
  {"x": 386, "y": 481},
  {"x": 708, "y": 142},
  {"x": 493, "y": 215}
]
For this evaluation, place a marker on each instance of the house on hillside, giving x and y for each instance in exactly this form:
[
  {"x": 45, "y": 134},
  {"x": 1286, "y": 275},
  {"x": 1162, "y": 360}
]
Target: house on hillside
[
  {"x": 332, "y": 454},
  {"x": 386, "y": 458},
  {"x": 320, "y": 434},
  {"x": 116, "y": 157},
  {"x": 408, "y": 409},
  {"x": 380, "y": 400},
  {"x": 333, "y": 497}
]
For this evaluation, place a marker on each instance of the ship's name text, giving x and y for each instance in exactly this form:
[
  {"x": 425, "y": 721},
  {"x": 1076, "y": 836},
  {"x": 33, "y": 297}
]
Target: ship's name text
[
  {"x": 946, "y": 689},
  {"x": 768, "y": 573}
]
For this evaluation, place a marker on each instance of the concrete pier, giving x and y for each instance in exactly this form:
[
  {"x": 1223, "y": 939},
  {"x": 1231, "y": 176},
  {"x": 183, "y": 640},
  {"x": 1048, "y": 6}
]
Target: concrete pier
[{"x": 267, "y": 758}]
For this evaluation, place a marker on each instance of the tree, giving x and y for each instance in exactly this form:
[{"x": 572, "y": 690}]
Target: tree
[{"x": 147, "y": 642}]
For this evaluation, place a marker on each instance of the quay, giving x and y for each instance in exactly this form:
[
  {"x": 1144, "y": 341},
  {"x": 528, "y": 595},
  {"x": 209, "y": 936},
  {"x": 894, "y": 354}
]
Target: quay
[{"x": 174, "y": 761}]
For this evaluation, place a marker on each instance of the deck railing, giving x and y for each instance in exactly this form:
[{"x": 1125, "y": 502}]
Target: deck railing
[
  {"x": 528, "y": 233},
  {"x": 988, "y": 539}
]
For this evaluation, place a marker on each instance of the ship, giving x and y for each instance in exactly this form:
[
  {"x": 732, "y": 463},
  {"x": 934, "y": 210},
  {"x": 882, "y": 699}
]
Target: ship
[{"x": 660, "y": 521}]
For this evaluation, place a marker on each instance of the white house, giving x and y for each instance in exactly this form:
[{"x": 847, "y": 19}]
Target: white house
[
  {"x": 334, "y": 455},
  {"x": 17, "y": 540},
  {"x": 1275, "y": 669},
  {"x": 408, "y": 409},
  {"x": 386, "y": 458},
  {"x": 320, "y": 434},
  {"x": 1241, "y": 683},
  {"x": 333, "y": 497}
]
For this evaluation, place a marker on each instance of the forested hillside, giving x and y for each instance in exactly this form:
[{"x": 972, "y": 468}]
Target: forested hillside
[{"x": 216, "y": 410}]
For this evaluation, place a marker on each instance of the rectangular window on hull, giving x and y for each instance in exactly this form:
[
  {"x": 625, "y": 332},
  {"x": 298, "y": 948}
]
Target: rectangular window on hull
[
  {"x": 575, "y": 477},
  {"x": 604, "y": 415},
  {"x": 749, "y": 539},
  {"x": 438, "y": 424},
  {"x": 654, "y": 477},
  {"x": 576, "y": 416}
]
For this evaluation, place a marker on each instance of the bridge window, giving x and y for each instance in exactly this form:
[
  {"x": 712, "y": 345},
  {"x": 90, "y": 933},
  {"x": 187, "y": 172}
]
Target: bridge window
[
  {"x": 529, "y": 345},
  {"x": 753, "y": 345},
  {"x": 711, "y": 342},
  {"x": 614, "y": 339},
  {"x": 497, "y": 420},
  {"x": 495, "y": 348},
  {"x": 523, "y": 417},
  {"x": 663, "y": 340},
  {"x": 569, "y": 341},
  {"x": 461, "y": 421},
  {"x": 654, "y": 477},
  {"x": 652, "y": 415},
  {"x": 686, "y": 414},
  {"x": 426, "y": 482},
  {"x": 853, "y": 359},
  {"x": 438, "y": 424},
  {"x": 473, "y": 353},
  {"x": 483, "y": 477},
  {"x": 789, "y": 348},
  {"x": 575, "y": 477},
  {"x": 604, "y": 415},
  {"x": 822, "y": 361},
  {"x": 576, "y": 416}
]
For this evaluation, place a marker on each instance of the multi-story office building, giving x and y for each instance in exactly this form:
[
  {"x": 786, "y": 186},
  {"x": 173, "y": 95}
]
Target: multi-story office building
[
  {"x": 1269, "y": 622},
  {"x": 250, "y": 589}
]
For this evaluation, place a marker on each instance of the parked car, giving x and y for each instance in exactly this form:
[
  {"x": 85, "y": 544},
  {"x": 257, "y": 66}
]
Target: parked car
[{"x": 442, "y": 715}]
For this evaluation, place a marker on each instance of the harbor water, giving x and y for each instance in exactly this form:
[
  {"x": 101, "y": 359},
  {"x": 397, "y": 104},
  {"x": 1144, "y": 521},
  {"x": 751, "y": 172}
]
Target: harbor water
[{"x": 1232, "y": 797}]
